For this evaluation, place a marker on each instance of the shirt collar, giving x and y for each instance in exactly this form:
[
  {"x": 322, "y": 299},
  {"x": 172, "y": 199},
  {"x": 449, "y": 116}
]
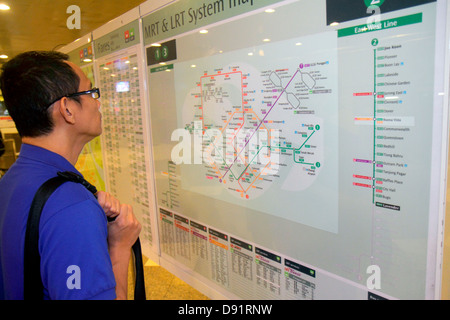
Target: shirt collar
[{"x": 35, "y": 153}]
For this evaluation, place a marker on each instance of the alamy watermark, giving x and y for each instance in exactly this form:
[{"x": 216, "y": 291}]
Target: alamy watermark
[
  {"x": 74, "y": 280},
  {"x": 374, "y": 280},
  {"x": 197, "y": 145},
  {"x": 373, "y": 8},
  {"x": 74, "y": 20}
]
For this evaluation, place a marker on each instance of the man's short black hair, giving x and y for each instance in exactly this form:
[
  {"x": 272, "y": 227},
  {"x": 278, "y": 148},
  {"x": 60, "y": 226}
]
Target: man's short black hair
[{"x": 30, "y": 82}]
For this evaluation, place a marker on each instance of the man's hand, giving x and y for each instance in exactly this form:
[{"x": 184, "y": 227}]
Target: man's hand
[
  {"x": 127, "y": 228},
  {"x": 122, "y": 234},
  {"x": 124, "y": 231},
  {"x": 110, "y": 205}
]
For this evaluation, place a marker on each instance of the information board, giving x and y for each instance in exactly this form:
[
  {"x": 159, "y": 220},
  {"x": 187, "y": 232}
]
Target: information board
[
  {"x": 298, "y": 145},
  {"x": 125, "y": 137}
]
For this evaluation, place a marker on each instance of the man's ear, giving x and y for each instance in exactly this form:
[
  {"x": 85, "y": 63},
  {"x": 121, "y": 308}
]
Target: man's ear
[{"x": 66, "y": 110}]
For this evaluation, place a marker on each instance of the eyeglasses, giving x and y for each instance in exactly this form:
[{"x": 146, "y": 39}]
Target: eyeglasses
[{"x": 95, "y": 93}]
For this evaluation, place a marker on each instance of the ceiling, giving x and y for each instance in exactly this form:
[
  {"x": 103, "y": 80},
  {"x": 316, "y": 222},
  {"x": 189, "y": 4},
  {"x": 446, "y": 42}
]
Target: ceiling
[{"x": 42, "y": 24}]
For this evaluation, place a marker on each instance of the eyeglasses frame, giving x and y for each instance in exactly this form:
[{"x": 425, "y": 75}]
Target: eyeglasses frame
[{"x": 77, "y": 94}]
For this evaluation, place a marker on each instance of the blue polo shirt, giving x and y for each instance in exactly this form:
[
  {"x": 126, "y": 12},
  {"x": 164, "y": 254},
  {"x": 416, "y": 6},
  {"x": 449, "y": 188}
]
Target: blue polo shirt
[{"x": 75, "y": 263}]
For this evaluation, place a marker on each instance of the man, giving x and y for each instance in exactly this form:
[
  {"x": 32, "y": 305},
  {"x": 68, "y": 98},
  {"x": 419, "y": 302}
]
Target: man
[{"x": 83, "y": 256}]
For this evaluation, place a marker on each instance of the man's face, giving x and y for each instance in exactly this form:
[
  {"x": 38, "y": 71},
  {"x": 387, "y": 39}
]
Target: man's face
[{"x": 89, "y": 118}]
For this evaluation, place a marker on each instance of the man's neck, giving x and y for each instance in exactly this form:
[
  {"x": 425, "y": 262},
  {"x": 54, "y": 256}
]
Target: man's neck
[{"x": 67, "y": 149}]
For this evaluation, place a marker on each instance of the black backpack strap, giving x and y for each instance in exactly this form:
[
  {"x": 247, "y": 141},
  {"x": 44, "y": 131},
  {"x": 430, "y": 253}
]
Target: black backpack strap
[
  {"x": 139, "y": 287},
  {"x": 33, "y": 287},
  {"x": 71, "y": 176}
]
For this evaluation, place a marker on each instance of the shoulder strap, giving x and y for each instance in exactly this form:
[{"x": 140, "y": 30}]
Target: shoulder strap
[
  {"x": 139, "y": 286},
  {"x": 33, "y": 287}
]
